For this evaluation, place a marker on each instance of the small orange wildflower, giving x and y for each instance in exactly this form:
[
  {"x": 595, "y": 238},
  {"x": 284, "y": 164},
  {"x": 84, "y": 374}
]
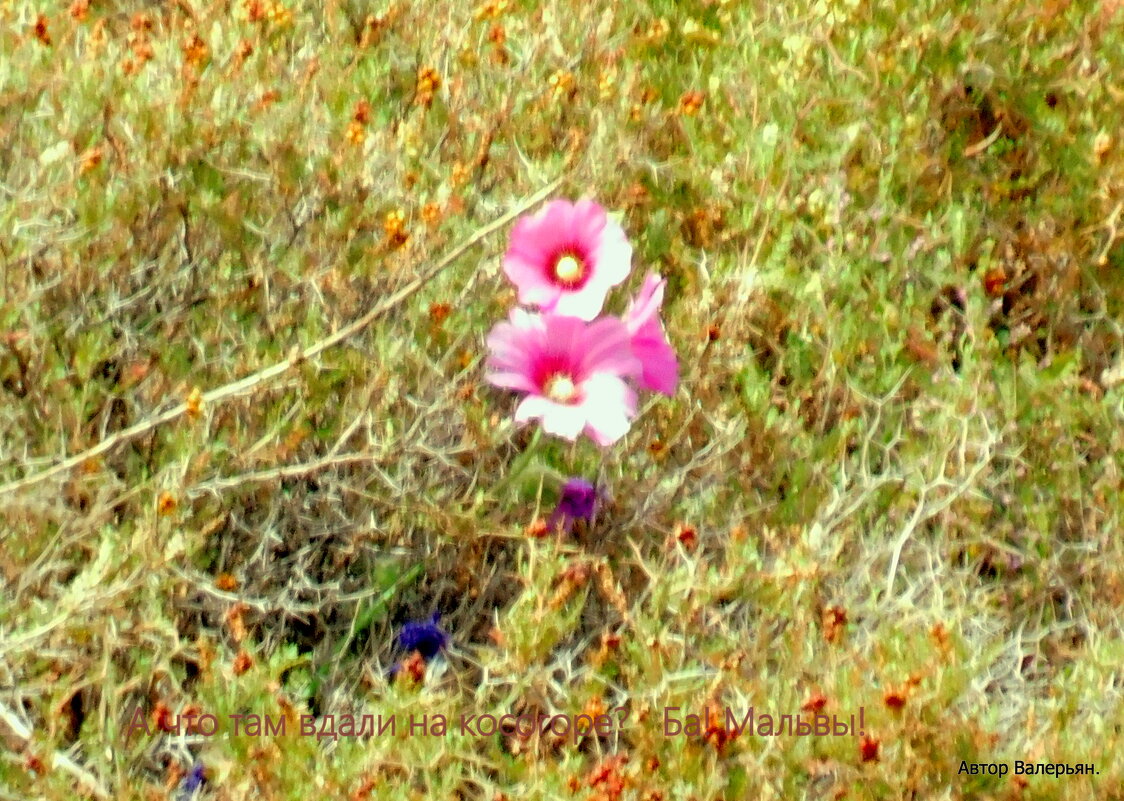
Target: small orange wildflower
[
  {"x": 429, "y": 81},
  {"x": 195, "y": 51},
  {"x": 355, "y": 133},
  {"x": 40, "y": 30},
  {"x": 394, "y": 224},
  {"x": 242, "y": 663},
  {"x": 690, "y": 103},
  {"x": 431, "y": 213},
  {"x": 89, "y": 160},
  {"x": 166, "y": 503},
  {"x": 194, "y": 403}
]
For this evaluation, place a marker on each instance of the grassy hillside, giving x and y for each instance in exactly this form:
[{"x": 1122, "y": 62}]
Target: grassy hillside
[{"x": 250, "y": 254}]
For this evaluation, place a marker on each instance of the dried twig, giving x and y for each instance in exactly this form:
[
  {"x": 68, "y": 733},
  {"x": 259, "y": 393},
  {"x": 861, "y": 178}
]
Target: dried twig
[{"x": 287, "y": 471}]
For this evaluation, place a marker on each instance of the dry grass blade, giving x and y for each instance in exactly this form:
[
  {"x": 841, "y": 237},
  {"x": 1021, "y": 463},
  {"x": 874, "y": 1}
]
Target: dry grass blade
[{"x": 58, "y": 760}]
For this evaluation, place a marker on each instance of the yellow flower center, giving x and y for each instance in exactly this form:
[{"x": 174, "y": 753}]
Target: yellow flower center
[
  {"x": 560, "y": 388},
  {"x": 568, "y": 269}
]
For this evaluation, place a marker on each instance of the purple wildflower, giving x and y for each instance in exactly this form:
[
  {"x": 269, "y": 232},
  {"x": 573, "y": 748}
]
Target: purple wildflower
[
  {"x": 578, "y": 502},
  {"x": 425, "y": 637},
  {"x": 193, "y": 781}
]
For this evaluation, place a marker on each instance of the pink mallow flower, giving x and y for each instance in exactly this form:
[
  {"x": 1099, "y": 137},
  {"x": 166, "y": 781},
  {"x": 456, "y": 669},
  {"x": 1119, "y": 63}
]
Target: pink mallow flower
[
  {"x": 574, "y": 373},
  {"x": 567, "y": 257},
  {"x": 649, "y": 343}
]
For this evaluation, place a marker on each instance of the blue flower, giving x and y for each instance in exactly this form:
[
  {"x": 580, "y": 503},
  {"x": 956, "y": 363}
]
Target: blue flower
[
  {"x": 193, "y": 781},
  {"x": 426, "y": 637},
  {"x": 578, "y": 502}
]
